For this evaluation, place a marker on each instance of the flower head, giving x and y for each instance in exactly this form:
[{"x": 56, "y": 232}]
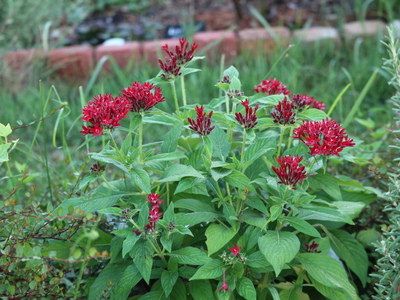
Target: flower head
[
  {"x": 224, "y": 286},
  {"x": 313, "y": 248},
  {"x": 202, "y": 124},
  {"x": 324, "y": 137},
  {"x": 104, "y": 112},
  {"x": 284, "y": 113},
  {"x": 97, "y": 168},
  {"x": 154, "y": 214},
  {"x": 142, "y": 97},
  {"x": 271, "y": 87},
  {"x": 301, "y": 101},
  {"x": 289, "y": 172},
  {"x": 176, "y": 60},
  {"x": 249, "y": 120},
  {"x": 235, "y": 250}
]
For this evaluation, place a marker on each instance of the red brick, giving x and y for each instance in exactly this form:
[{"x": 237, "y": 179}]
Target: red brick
[
  {"x": 225, "y": 42},
  {"x": 355, "y": 30},
  {"x": 152, "y": 50},
  {"x": 314, "y": 34},
  {"x": 123, "y": 55},
  {"x": 261, "y": 41},
  {"x": 18, "y": 60},
  {"x": 75, "y": 62}
]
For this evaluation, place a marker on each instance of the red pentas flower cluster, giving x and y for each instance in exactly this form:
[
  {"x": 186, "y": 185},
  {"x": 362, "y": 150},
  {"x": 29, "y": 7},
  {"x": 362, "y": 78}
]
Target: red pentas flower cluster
[
  {"x": 176, "y": 60},
  {"x": 249, "y": 120},
  {"x": 313, "y": 248},
  {"x": 271, "y": 87},
  {"x": 290, "y": 172},
  {"x": 284, "y": 112},
  {"x": 202, "y": 123},
  {"x": 301, "y": 101},
  {"x": 104, "y": 112},
  {"x": 154, "y": 214},
  {"x": 324, "y": 137},
  {"x": 142, "y": 97}
]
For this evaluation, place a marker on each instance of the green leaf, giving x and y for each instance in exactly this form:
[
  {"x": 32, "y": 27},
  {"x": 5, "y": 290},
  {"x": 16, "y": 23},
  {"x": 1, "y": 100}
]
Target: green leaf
[
  {"x": 259, "y": 148},
  {"x": 235, "y": 84},
  {"x": 220, "y": 141},
  {"x": 194, "y": 205},
  {"x": 275, "y": 211},
  {"x": 311, "y": 212},
  {"x": 218, "y": 236},
  {"x": 258, "y": 261},
  {"x": 331, "y": 293},
  {"x": 268, "y": 100},
  {"x": 279, "y": 248},
  {"x": 239, "y": 180},
  {"x": 129, "y": 279},
  {"x": 179, "y": 291},
  {"x": 171, "y": 139},
  {"x": 186, "y": 71},
  {"x": 3, "y": 152},
  {"x": 196, "y": 218},
  {"x": 351, "y": 251},
  {"x": 127, "y": 144},
  {"x": 129, "y": 243},
  {"x": 101, "y": 198},
  {"x": 168, "y": 280},
  {"x": 245, "y": 288},
  {"x": 327, "y": 271},
  {"x": 105, "y": 280},
  {"x": 186, "y": 184},
  {"x": 327, "y": 183},
  {"x": 190, "y": 256},
  {"x": 167, "y": 156},
  {"x": 143, "y": 259},
  {"x": 211, "y": 270},
  {"x": 201, "y": 290},
  {"x": 141, "y": 179},
  {"x": 166, "y": 242},
  {"x": 5, "y": 130},
  {"x": 302, "y": 226},
  {"x": 177, "y": 172},
  {"x": 312, "y": 114},
  {"x": 288, "y": 294},
  {"x": 350, "y": 209},
  {"x": 231, "y": 72}
]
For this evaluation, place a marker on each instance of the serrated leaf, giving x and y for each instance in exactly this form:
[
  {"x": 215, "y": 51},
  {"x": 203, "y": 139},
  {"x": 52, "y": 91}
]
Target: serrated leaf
[
  {"x": 279, "y": 248},
  {"x": 239, "y": 180},
  {"x": 221, "y": 144},
  {"x": 166, "y": 242},
  {"x": 190, "y": 256},
  {"x": 201, "y": 290},
  {"x": 141, "y": 179},
  {"x": 129, "y": 243},
  {"x": 245, "y": 288},
  {"x": 313, "y": 114},
  {"x": 171, "y": 139},
  {"x": 312, "y": 212},
  {"x": 302, "y": 226},
  {"x": 194, "y": 205},
  {"x": 167, "y": 156},
  {"x": 327, "y": 183},
  {"x": 129, "y": 279},
  {"x": 196, "y": 218},
  {"x": 218, "y": 236},
  {"x": 327, "y": 271},
  {"x": 211, "y": 270},
  {"x": 143, "y": 259},
  {"x": 177, "y": 172},
  {"x": 351, "y": 251},
  {"x": 168, "y": 280}
]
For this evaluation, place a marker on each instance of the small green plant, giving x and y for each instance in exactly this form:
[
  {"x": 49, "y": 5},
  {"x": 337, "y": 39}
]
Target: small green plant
[
  {"x": 388, "y": 270},
  {"x": 235, "y": 201}
]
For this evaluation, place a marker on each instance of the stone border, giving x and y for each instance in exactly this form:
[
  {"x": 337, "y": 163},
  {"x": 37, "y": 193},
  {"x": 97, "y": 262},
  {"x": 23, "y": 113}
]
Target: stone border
[{"x": 78, "y": 62}]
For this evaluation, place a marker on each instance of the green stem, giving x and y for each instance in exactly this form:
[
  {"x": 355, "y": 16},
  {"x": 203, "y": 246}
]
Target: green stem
[
  {"x": 141, "y": 139},
  {"x": 183, "y": 91},
  {"x": 281, "y": 140},
  {"x": 227, "y": 103},
  {"x": 158, "y": 251},
  {"x": 175, "y": 98},
  {"x": 106, "y": 181},
  {"x": 290, "y": 138},
  {"x": 243, "y": 148},
  {"x": 82, "y": 269}
]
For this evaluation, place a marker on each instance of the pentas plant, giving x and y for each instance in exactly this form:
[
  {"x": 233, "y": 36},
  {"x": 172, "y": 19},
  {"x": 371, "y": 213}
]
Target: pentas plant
[{"x": 235, "y": 201}]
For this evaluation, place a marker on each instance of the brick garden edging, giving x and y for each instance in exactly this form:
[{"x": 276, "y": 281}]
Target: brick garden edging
[{"x": 77, "y": 62}]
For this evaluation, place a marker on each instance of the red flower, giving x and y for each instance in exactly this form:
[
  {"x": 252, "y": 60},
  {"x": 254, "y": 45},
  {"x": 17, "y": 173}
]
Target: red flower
[
  {"x": 224, "y": 286},
  {"x": 202, "y": 124},
  {"x": 284, "y": 112},
  {"x": 153, "y": 211},
  {"x": 323, "y": 137},
  {"x": 142, "y": 97},
  {"x": 235, "y": 250},
  {"x": 97, "y": 169},
  {"x": 104, "y": 112},
  {"x": 289, "y": 172},
  {"x": 175, "y": 60},
  {"x": 250, "y": 119},
  {"x": 271, "y": 87},
  {"x": 301, "y": 101},
  {"x": 312, "y": 248}
]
